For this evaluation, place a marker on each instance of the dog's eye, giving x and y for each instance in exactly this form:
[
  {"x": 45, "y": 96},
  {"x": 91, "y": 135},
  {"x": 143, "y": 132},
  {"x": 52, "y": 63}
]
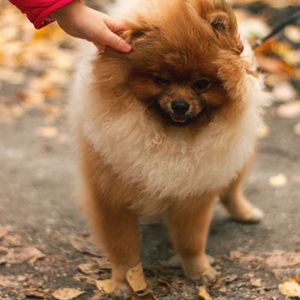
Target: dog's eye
[
  {"x": 161, "y": 80},
  {"x": 202, "y": 84}
]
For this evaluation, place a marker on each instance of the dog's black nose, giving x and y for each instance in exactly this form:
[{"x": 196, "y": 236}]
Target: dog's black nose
[{"x": 180, "y": 106}]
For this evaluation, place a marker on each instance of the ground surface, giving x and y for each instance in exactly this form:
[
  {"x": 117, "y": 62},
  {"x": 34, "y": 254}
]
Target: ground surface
[
  {"x": 43, "y": 242},
  {"x": 37, "y": 202}
]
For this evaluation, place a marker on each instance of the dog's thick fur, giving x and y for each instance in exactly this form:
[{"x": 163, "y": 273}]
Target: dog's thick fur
[{"x": 136, "y": 161}]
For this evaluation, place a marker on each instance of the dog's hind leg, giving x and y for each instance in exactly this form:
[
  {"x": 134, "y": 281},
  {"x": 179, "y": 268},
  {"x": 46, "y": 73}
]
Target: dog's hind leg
[{"x": 235, "y": 201}]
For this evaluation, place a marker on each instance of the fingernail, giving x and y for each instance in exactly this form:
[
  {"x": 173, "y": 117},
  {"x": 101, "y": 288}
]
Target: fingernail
[{"x": 127, "y": 48}]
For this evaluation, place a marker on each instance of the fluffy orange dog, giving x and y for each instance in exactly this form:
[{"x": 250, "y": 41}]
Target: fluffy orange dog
[{"x": 168, "y": 128}]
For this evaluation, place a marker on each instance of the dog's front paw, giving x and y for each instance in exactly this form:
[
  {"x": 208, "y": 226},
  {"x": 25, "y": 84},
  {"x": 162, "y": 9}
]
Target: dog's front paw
[
  {"x": 121, "y": 289},
  {"x": 207, "y": 276},
  {"x": 198, "y": 268}
]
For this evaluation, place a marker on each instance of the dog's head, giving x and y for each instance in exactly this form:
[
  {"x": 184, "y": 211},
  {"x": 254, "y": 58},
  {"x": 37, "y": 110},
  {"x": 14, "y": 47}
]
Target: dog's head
[{"x": 185, "y": 66}]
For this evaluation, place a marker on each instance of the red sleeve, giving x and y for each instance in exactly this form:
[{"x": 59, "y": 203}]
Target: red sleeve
[{"x": 38, "y": 11}]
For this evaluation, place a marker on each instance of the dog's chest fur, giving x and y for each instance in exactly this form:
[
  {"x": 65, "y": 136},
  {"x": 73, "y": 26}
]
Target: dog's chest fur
[{"x": 171, "y": 166}]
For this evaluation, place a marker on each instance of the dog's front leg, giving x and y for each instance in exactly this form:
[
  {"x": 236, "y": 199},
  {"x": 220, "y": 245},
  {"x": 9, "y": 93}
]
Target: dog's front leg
[
  {"x": 114, "y": 225},
  {"x": 189, "y": 224}
]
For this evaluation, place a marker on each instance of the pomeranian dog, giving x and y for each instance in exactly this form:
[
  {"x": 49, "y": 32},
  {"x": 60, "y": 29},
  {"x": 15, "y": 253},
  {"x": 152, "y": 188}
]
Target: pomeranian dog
[{"x": 168, "y": 128}]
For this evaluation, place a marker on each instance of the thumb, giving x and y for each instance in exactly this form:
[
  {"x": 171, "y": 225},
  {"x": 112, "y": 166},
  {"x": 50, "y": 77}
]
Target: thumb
[{"x": 114, "y": 41}]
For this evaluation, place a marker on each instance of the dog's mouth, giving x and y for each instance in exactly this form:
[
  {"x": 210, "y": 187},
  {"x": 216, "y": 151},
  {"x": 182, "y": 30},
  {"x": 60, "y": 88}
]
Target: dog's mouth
[{"x": 180, "y": 119}]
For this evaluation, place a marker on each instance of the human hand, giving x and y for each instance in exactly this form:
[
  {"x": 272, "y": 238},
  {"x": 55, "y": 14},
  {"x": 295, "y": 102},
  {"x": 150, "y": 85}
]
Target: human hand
[{"x": 84, "y": 22}]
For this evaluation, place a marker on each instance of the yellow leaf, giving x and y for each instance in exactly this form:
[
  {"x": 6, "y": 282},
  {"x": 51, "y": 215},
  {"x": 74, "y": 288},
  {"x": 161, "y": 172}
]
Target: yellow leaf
[
  {"x": 263, "y": 132},
  {"x": 105, "y": 286},
  {"x": 279, "y": 180},
  {"x": 47, "y": 132},
  {"x": 290, "y": 288},
  {"x": 203, "y": 294},
  {"x": 67, "y": 294},
  {"x": 135, "y": 278}
]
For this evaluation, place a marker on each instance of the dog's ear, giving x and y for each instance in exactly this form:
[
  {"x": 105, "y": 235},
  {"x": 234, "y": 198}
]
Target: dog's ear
[
  {"x": 138, "y": 33},
  {"x": 134, "y": 36},
  {"x": 219, "y": 22},
  {"x": 220, "y": 16}
]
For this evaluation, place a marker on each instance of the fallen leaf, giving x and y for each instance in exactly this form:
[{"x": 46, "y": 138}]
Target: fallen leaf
[
  {"x": 203, "y": 294},
  {"x": 82, "y": 278},
  {"x": 292, "y": 33},
  {"x": 297, "y": 129},
  {"x": 7, "y": 283},
  {"x": 85, "y": 245},
  {"x": 230, "y": 278},
  {"x": 278, "y": 260},
  {"x": 95, "y": 265},
  {"x": 135, "y": 278},
  {"x": 67, "y": 294},
  {"x": 35, "y": 293},
  {"x": 290, "y": 110},
  {"x": 105, "y": 286},
  {"x": 243, "y": 257},
  {"x": 275, "y": 65},
  {"x": 263, "y": 132},
  {"x": 284, "y": 92},
  {"x": 47, "y": 132},
  {"x": 89, "y": 268},
  {"x": 3, "y": 232},
  {"x": 256, "y": 282},
  {"x": 290, "y": 288},
  {"x": 30, "y": 254},
  {"x": 277, "y": 181},
  {"x": 14, "y": 240},
  {"x": 32, "y": 98}
]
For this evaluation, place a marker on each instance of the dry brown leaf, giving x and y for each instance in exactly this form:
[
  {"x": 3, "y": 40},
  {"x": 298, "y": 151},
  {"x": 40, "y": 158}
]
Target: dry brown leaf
[
  {"x": 14, "y": 240},
  {"x": 84, "y": 244},
  {"x": 32, "y": 98},
  {"x": 136, "y": 279},
  {"x": 105, "y": 286},
  {"x": 88, "y": 268},
  {"x": 243, "y": 257},
  {"x": 277, "y": 181},
  {"x": 290, "y": 110},
  {"x": 82, "y": 278},
  {"x": 47, "y": 132},
  {"x": 67, "y": 294},
  {"x": 36, "y": 293},
  {"x": 7, "y": 283},
  {"x": 256, "y": 282},
  {"x": 30, "y": 254},
  {"x": 278, "y": 260},
  {"x": 290, "y": 288},
  {"x": 3, "y": 232},
  {"x": 203, "y": 294}
]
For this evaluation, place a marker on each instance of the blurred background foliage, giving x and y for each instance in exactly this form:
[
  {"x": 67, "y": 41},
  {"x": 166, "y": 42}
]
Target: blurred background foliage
[{"x": 36, "y": 66}]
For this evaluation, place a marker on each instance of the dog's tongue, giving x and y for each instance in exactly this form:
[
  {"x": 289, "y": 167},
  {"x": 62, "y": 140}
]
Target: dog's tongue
[{"x": 178, "y": 118}]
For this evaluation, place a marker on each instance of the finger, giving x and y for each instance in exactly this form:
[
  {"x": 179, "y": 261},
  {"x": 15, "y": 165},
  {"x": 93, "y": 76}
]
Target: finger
[
  {"x": 116, "y": 42},
  {"x": 113, "y": 25}
]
